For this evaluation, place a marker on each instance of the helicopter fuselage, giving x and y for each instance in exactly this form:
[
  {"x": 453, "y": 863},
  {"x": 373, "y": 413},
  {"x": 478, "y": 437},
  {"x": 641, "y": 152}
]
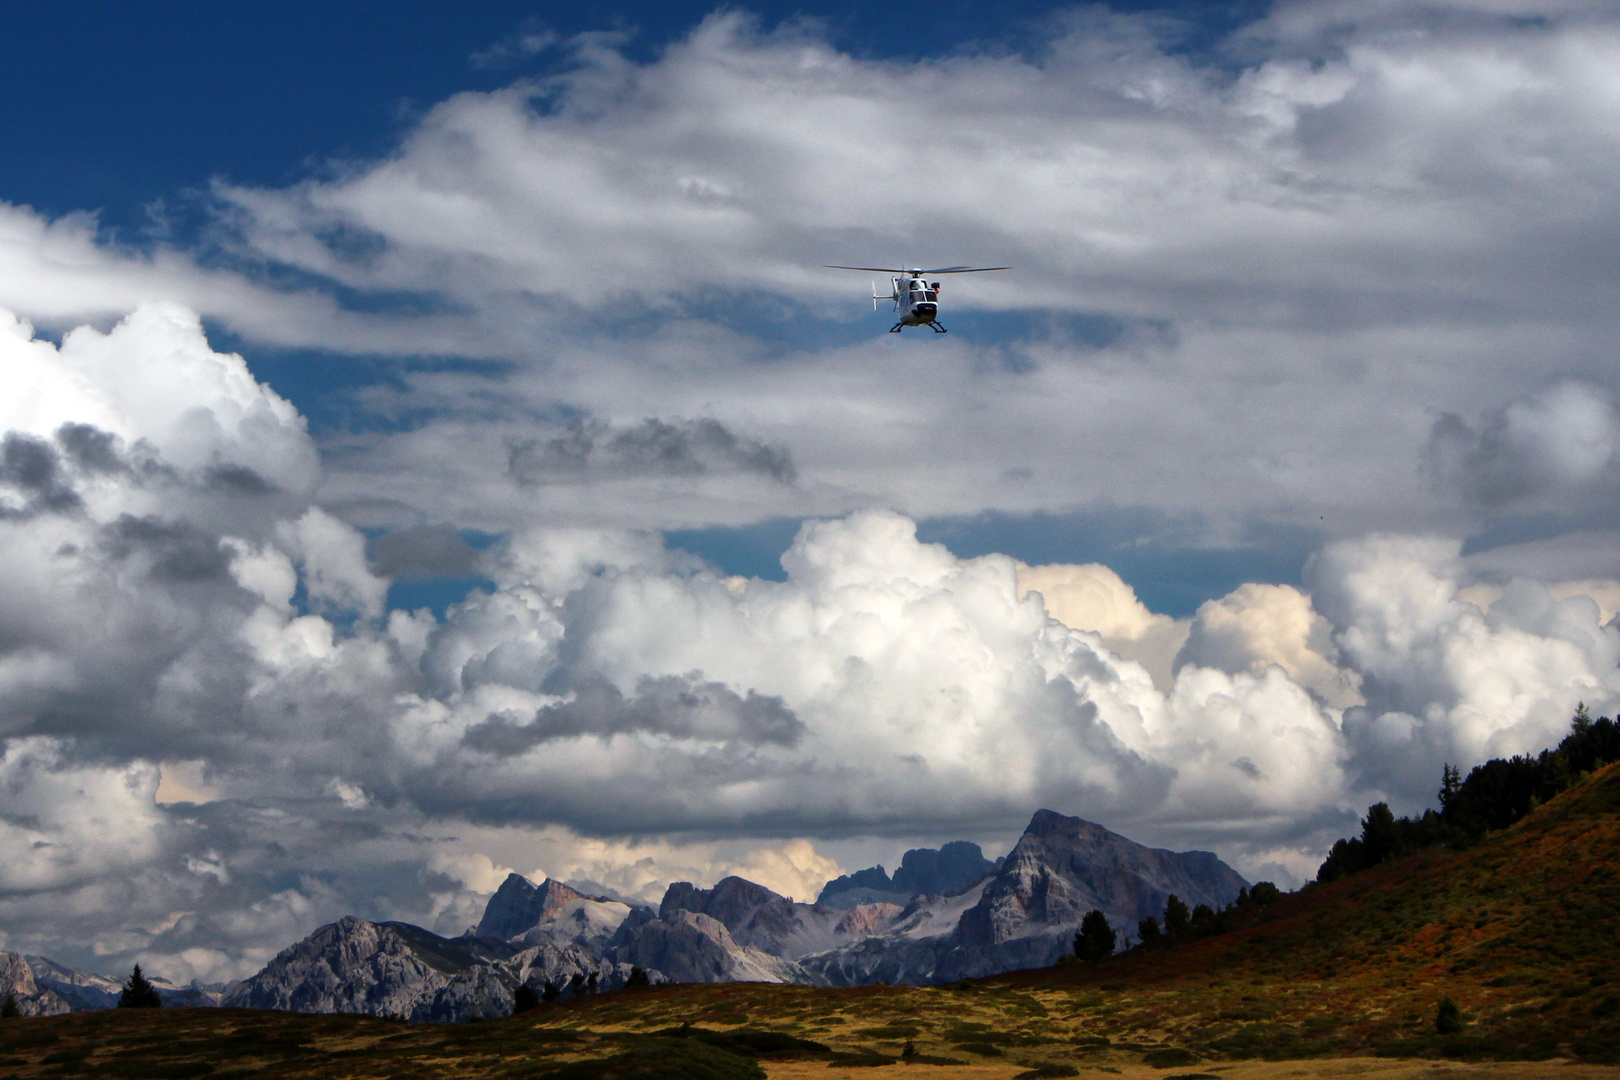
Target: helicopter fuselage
[{"x": 917, "y": 300}]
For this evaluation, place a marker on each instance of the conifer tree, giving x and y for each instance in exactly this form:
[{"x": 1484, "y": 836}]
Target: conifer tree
[
  {"x": 1148, "y": 931},
  {"x": 524, "y": 998},
  {"x": 8, "y": 1007},
  {"x": 1176, "y": 916},
  {"x": 139, "y": 993},
  {"x": 1095, "y": 941}
]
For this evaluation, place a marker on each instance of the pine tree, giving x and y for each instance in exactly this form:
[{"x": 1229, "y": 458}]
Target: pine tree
[
  {"x": 1448, "y": 1018},
  {"x": 1096, "y": 939},
  {"x": 1450, "y": 784},
  {"x": 8, "y": 1008},
  {"x": 1176, "y": 916},
  {"x": 1148, "y": 931},
  {"x": 549, "y": 993},
  {"x": 523, "y": 999},
  {"x": 638, "y": 978},
  {"x": 139, "y": 993}
]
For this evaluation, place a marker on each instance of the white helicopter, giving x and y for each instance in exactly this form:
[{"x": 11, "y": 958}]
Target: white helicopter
[{"x": 913, "y": 294}]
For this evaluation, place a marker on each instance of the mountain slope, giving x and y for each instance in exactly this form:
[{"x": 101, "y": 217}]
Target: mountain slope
[{"x": 1519, "y": 931}]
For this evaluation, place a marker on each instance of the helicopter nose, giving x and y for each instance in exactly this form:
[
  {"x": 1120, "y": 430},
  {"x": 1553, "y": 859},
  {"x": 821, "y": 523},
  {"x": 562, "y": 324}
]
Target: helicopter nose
[{"x": 927, "y": 311}]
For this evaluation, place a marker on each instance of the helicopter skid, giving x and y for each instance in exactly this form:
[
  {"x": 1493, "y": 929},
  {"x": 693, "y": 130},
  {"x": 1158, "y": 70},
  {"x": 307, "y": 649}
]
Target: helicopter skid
[{"x": 936, "y": 327}]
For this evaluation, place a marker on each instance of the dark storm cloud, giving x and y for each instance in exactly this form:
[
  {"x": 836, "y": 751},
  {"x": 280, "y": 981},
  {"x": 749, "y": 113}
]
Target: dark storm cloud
[
  {"x": 428, "y": 551},
  {"x": 91, "y": 449},
  {"x": 1541, "y": 448},
  {"x": 176, "y": 551},
  {"x": 681, "y": 707},
  {"x": 31, "y": 467},
  {"x": 591, "y": 449},
  {"x": 237, "y": 480}
]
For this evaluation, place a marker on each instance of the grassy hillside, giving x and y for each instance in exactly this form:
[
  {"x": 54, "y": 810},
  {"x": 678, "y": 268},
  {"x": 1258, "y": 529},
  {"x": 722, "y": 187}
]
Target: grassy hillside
[{"x": 1520, "y": 932}]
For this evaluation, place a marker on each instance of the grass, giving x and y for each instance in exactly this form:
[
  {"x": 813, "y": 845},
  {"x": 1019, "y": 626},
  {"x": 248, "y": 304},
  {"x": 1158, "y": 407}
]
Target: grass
[{"x": 1518, "y": 932}]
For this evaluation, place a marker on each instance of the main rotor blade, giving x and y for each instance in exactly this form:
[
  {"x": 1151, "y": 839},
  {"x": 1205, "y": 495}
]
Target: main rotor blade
[
  {"x": 873, "y": 269},
  {"x": 965, "y": 269}
]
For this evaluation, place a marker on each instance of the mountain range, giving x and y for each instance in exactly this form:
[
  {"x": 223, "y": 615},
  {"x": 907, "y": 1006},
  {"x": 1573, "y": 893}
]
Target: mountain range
[{"x": 946, "y": 914}]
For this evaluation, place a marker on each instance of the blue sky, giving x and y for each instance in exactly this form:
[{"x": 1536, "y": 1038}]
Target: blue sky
[
  {"x": 123, "y": 106},
  {"x": 435, "y": 447}
]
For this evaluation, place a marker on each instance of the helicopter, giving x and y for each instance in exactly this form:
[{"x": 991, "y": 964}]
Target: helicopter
[{"x": 914, "y": 295}]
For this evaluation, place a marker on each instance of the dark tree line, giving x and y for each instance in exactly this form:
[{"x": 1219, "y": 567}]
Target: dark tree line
[
  {"x": 1180, "y": 923},
  {"x": 579, "y": 984},
  {"x": 1096, "y": 940},
  {"x": 1494, "y": 796}
]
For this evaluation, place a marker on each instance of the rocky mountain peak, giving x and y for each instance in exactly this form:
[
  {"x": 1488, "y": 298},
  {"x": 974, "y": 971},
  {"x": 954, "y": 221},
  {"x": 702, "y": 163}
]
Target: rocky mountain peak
[
  {"x": 941, "y": 871},
  {"x": 519, "y": 905},
  {"x": 732, "y": 900},
  {"x": 1063, "y": 867},
  {"x": 949, "y": 869}
]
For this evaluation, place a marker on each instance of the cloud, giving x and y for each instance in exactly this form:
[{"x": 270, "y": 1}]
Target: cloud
[
  {"x": 1095, "y": 598},
  {"x": 682, "y": 708},
  {"x": 1445, "y": 680},
  {"x": 423, "y": 551},
  {"x": 66, "y": 823},
  {"x": 1535, "y": 451},
  {"x": 332, "y": 558},
  {"x": 30, "y": 467},
  {"x": 594, "y": 451},
  {"x": 1256, "y": 626}
]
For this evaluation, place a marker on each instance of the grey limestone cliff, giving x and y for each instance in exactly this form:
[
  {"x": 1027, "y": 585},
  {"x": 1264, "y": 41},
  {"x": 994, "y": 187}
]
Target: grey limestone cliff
[
  {"x": 1063, "y": 867},
  {"x": 941, "y": 871},
  {"x": 381, "y": 969},
  {"x": 519, "y": 904},
  {"x": 1027, "y": 913},
  {"x": 17, "y": 979}
]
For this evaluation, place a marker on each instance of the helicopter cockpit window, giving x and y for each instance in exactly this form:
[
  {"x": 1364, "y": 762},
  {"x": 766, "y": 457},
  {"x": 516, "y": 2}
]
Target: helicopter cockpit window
[{"x": 930, "y": 294}]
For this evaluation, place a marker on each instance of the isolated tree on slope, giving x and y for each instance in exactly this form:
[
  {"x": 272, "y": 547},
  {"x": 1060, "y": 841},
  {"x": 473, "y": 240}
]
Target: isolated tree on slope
[
  {"x": 1095, "y": 941},
  {"x": 139, "y": 993},
  {"x": 1176, "y": 916},
  {"x": 8, "y": 1008}
]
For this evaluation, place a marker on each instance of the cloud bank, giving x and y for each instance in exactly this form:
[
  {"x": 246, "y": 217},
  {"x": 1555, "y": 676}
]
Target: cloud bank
[{"x": 173, "y": 596}]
